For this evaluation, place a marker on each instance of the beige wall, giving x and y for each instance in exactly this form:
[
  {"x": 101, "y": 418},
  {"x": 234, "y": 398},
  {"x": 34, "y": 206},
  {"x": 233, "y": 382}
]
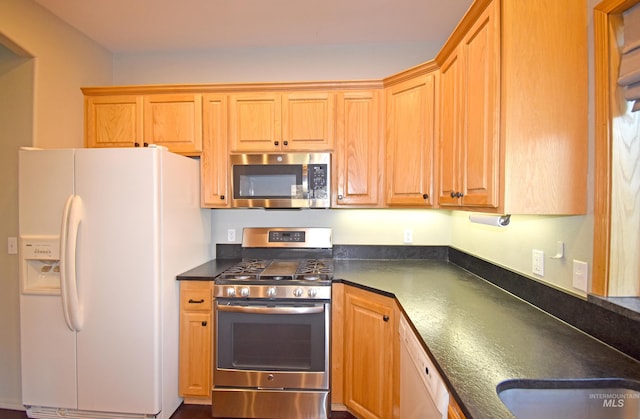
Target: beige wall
[
  {"x": 43, "y": 64},
  {"x": 510, "y": 247},
  {"x": 334, "y": 62},
  {"x": 65, "y": 61}
]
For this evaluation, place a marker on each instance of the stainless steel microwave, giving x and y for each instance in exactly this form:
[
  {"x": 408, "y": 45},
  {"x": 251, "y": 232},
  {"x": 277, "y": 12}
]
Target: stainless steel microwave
[{"x": 285, "y": 180}]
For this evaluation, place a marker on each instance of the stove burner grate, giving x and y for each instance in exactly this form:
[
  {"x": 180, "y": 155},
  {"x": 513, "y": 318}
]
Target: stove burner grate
[{"x": 263, "y": 269}]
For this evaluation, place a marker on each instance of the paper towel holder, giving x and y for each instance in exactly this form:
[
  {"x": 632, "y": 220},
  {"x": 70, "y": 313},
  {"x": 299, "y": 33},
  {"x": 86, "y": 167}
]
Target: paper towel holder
[{"x": 492, "y": 220}]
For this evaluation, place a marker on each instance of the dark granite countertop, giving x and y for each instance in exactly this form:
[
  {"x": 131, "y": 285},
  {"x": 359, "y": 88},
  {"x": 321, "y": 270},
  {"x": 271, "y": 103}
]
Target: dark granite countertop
[
  {"x": 480, "y": 335},
  {"x": 477, "y": 334},
  {"x": 207, "y": 271}
]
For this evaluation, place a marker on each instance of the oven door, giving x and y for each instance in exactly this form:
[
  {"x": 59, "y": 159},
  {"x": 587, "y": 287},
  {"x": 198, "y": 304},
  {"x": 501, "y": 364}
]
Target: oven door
[{"x": 272, "y": 345}]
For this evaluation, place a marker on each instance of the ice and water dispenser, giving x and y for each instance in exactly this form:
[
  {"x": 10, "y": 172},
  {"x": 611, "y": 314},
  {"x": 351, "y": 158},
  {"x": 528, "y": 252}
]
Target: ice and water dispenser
[{"x": 40, "y": 264}]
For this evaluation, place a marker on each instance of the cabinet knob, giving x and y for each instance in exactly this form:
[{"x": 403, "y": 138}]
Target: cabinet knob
[
  {"x": 340, "y": 197},
  {"x": 459, "y": 195},
  {"x": 276, "y": 143},
  {"x": 204, "y": 323},
  {"x": 222, "y": 197},
  {"x": 146, "y": 144},
  {"x": 286, "y": 143},
  {"x": 385, "y": 318},
  {"x": 425, "y": 196},
  {"x": 136, "y": 144}
]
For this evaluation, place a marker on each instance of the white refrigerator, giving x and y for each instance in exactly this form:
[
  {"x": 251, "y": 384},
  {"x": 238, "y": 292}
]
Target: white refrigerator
[{"x": 103, "y": 234}]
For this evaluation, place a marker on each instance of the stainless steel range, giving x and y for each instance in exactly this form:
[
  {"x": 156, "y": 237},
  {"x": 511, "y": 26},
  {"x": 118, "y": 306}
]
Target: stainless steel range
[{"x": 272, "y": 317}]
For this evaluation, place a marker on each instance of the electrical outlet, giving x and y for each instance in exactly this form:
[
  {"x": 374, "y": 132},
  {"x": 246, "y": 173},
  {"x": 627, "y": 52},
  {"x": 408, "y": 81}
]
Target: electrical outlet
[
  {"x": 231, "y": 235},
  {"x": 537, "y": 262},
  {"x": 580, "y": 270},
  {"x": 408, "y": 236}
]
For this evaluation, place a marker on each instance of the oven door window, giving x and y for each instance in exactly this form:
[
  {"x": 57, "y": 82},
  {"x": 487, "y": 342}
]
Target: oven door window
[
  {"x": 265, "y": 341},
  {"x": 268, "y": 181}
]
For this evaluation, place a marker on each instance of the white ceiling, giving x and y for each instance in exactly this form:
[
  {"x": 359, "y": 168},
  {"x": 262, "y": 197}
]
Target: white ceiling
[{"x": 130, "y": 26}]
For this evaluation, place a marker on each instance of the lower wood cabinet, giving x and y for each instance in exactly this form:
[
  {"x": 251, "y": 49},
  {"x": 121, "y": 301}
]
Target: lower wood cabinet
[
  {"x": 196, "y": 325},
  {"x": 365, "y": 359},
  {"x": 369, "y": 370},
  {"x": 454, "y": 411}
]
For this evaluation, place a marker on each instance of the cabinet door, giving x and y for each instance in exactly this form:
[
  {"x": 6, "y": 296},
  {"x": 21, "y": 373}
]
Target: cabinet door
[
  {"x": 195, "y": 372},
  {"x": 255, "y": 122},
  {"x": 468, "y": 145},
  {"x": 308, "y": 120},
  {"x": 215, "y": 159},
  {"x": 454, "y": 411},
  {"x": 450, "y": 131},
  {"x": 357, "y": 161},
  {"x": 411, "y": 108},
  {"x": 370, "y": 332},
  {"x": 195, "y": 375},
  {"x": 174, "y": 121},
  {"x": 113, "y": 121},
  {"x": 480, "y": 148}
]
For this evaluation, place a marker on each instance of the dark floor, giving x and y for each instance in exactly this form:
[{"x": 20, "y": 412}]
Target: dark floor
[{"x": 186, "y": 411}]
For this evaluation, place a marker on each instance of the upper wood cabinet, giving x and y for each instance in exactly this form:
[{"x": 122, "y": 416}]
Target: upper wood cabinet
[
  {"x": 357, "y": 161},
  {"x": 468, "y": 144},
  {"x": 514, "y": 133},
  {"x": 113, "y": 121},
  {"x": 410, "y": 132},
  {"x": 294, "y": 121},
  {"x": 214, "y": 162},
  {"x": 122, "y": 120},
  {"x": 174, "y": 121}
]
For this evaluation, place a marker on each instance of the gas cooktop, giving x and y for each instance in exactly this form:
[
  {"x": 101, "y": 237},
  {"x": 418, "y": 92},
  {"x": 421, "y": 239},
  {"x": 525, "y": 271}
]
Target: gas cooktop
[
  {"x": 283, "y": 270},
  {"x": 280, "y": 263}
]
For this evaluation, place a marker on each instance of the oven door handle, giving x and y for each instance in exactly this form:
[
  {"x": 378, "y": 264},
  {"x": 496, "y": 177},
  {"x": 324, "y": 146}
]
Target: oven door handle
[{"x": 271, "y": 310}]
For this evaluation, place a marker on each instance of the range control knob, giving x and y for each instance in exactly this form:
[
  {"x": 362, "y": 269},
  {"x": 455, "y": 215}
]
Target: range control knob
[
  {"x": 298, "y": 292},
  {"x": 312, "y": 292},
  {"x": 271, "y": 292},
  {"x": 244, "y": 292},
  {"x": 231, "y": 292}
]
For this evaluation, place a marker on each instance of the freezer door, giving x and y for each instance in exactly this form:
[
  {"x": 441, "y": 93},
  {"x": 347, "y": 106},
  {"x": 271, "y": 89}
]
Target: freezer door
[
  {"x": 48, "y": 350},
  {"x": 118, "y": 348}
]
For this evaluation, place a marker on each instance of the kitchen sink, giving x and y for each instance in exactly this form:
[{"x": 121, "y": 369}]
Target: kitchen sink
[{"x": 605, "y": 398}]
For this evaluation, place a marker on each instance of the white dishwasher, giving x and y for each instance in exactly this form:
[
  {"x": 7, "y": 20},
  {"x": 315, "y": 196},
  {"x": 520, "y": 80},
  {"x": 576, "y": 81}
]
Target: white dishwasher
[{"x": 423, "y": 394}]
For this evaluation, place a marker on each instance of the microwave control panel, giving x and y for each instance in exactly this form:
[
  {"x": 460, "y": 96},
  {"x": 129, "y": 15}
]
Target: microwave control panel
[{"x": 318, "y": 175}]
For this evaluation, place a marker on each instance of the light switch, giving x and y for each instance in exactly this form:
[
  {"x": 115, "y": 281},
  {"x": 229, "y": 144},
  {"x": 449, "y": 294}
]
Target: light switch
[{"x": 12, "y": 245}]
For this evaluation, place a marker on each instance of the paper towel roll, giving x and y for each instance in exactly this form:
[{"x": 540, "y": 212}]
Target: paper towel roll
[{"x": 491, "y": 220}]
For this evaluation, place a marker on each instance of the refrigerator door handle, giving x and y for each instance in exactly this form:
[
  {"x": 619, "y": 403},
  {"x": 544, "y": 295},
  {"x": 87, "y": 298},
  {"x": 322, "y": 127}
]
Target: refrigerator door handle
[
  {"x": 63, "y": 260},
  {"x": 71, "y": 219}
]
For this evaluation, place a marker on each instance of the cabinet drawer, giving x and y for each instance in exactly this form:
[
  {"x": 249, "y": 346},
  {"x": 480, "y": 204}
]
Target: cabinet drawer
[{"x": 195, "y": 297}]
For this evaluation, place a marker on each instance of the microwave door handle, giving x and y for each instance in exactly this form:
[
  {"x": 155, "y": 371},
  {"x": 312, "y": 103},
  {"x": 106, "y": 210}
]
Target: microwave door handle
[{"x": 270, "y": 310}]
